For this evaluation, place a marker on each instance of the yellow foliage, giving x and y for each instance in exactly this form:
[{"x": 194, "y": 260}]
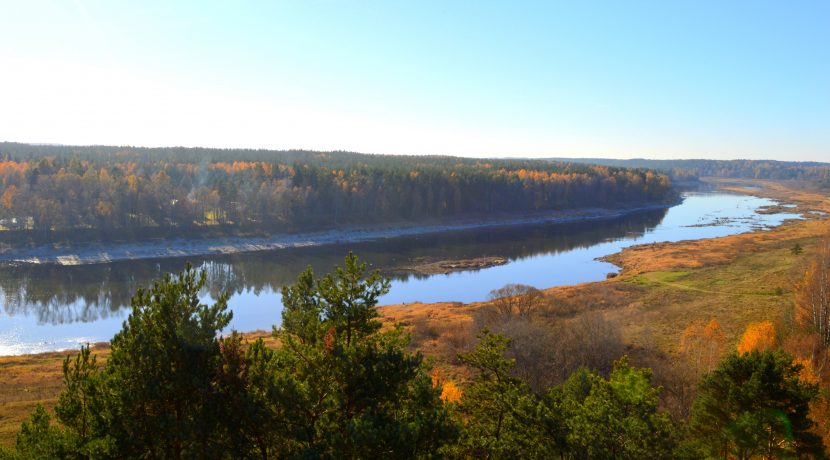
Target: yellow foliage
[
  {"x": 702, "y": 344},
  {"x": 436, "y": 378},
  {"x": 812, "y": 304},
  {"x": 808, "y": 372},
  {"x": 757, "y": 336},
  {"x": 450, "y": 392},
  {"x": 713, "y": 330},
  {"x": 9, "y": 196}
]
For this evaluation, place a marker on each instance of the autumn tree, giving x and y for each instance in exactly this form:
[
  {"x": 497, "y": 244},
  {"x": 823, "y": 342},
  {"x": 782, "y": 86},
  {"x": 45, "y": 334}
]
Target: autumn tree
[
  {"x": 758, "y": 337},
  {"x": 546, "y": 354},
  {"x": 812, "y": 311},
  {"x": 75, "y": 192},
  {"x": 702, "y": 344},
  {"x": 450, "y": 392}
]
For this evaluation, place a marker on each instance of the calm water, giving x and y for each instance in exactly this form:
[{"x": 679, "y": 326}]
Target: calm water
[{"x": 53, "y": 307}]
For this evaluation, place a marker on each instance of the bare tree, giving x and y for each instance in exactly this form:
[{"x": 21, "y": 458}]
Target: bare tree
[
  {"x": 515, "y": 299},
  {"x": 813, "y": 298},
  {"x": 546, "y": 354}
]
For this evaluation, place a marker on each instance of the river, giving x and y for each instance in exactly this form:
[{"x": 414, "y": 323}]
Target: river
[{"x": 52, "y": 307}]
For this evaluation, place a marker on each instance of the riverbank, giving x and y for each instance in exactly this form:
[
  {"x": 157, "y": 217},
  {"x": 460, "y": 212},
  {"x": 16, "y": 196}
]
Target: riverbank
[
  {"x": 662, "y": 288},
  {"x": 92, "y": 253}
]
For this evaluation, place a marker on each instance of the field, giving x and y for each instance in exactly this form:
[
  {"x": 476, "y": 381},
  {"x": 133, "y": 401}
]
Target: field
[{"x": 662, "y": 289}]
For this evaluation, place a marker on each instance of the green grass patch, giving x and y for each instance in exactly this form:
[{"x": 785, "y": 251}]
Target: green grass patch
[{"x": 652, "y": 278}]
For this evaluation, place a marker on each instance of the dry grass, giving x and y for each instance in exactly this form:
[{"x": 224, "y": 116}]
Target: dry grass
[
  {"x": 663, "y": 288},
  {"x": 25, "y": 382},
  {"x": 29, "y": 380}
]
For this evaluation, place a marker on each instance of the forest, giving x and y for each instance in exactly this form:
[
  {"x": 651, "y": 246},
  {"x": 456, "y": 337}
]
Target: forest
[
  {"x": 64, "y": 193},
  {"x": 806, "y": 171},
  {"x": 340, "y": 384}
]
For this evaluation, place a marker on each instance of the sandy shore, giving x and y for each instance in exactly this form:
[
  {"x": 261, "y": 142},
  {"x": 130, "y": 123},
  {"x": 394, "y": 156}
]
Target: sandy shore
[{"x": 95, "y": 253}]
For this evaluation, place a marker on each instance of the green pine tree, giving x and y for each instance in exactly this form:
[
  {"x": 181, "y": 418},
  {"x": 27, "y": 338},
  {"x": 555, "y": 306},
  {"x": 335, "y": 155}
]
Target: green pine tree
[
  {"x": 504, "y": 419},
  {"x": 343, "y": 387},
  {"x": 755, "y": 406},
  {"x": 617, "y": 417},
  {"x": 162, "y": 400},
  {"x": 39, "y": 439}
]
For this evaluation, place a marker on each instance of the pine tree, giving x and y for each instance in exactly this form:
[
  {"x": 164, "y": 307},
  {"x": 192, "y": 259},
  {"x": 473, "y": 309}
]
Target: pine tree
[
  {"x": 503, "y": 417},
  {"x": 343, "y": 387},
  {"x": 160, "y": 378},
  {"x": 617, "y": 417},
  {"x": 755, "y": 405}
]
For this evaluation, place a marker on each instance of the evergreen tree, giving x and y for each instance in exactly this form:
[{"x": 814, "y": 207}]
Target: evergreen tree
[
  {"x": 160, "y": 379},
  {"x": 796, "y": 249},
  {"x": 755, "y": 406},
  {"x": 81, "y": 406},
  {"x": 617, "y": 417},
  {"x": 343, "y": 387},
  {"x": 38, "y": 439},
  {"x": 503, "y": 417}
]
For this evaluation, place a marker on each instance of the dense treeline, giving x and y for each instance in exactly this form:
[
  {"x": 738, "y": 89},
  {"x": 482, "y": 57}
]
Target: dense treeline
[
  {"x": 341, "y": 386},
  {"x": 744, "y": 169},
  {"x": 54, "y": 191}
]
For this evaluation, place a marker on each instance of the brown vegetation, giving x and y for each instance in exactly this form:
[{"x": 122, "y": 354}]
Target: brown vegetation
[
  {"x": 25, "y": 382},
  {"x": 431, "y": 267},
  {"x": 676, "y": 307}
]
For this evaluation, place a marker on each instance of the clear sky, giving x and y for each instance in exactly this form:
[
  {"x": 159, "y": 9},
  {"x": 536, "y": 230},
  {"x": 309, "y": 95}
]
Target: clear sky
[{"x": 659, "y": 79}]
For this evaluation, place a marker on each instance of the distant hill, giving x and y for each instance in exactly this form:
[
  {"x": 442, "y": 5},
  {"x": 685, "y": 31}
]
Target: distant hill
[{"x": 750, "y": 169}]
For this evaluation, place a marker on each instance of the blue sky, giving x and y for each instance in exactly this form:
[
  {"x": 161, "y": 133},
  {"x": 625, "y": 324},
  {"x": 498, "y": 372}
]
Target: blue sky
[{"x": 676, "y": 79}]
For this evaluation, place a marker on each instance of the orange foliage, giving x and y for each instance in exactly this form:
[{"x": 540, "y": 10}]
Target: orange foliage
[
  {"x": 132, "y": 183},
  {"x": 449, "y": 390},
  {"x": 436, "y": 378},
  {"x": 328, "y": 341},
  {"x": 812, "y": 306},
  {"x": 757, "y": 336},
  {"x": 13, "y": 167},
  {"x": 236, "y": 166},
  {"x": 702, "y": 343},
  {"x": 808, "y": 372},
  {"x": 8, "y": 197}
]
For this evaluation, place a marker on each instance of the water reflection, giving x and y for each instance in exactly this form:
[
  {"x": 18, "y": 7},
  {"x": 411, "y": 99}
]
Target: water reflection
[
  {"x": 63, "y": 294},
  {"x": 52, "y": 308}
]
